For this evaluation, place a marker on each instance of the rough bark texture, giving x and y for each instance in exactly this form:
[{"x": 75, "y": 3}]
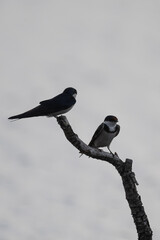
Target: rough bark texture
[{"x": 124, "y": 169}]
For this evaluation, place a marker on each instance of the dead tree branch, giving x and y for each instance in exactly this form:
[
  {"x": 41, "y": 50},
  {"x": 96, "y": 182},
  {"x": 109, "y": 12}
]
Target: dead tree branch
[{"x": 124, "y": 169}]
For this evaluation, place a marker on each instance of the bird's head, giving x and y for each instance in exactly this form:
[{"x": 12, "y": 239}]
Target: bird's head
[
  {"x": 111, "y": 120},
  {"x": 71, "y": 91}
]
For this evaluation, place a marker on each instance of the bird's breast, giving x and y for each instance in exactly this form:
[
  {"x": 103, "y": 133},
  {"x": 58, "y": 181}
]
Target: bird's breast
[
  {"x": 104, "y": 139},
  {"x": 54, "y": 114}
]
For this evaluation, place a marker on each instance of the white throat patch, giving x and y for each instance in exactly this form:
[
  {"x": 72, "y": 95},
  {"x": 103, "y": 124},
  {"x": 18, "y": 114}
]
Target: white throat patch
[
  {"x": 111, "y": 125},
  {"x": 74, "y": 95}
]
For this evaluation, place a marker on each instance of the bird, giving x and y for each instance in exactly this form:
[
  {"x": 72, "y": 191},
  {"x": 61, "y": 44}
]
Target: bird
[
  {"x": 53, "y": 107},
  {"x": 105, "y": 133}
]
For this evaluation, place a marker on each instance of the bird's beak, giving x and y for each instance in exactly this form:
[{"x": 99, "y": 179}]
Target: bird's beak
[
  {"x": 74, "y": 95},
  {"x": 116, "y": 119}
]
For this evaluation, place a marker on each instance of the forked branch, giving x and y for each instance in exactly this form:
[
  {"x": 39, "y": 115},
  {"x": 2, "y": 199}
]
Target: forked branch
[{"x": 124, "y": 169}]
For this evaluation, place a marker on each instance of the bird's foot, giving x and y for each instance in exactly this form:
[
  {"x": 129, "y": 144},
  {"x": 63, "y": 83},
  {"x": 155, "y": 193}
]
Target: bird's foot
[
  {"x": 62, "y": 119},
  {"x": 112, "y": 154},
  {"x": 100, "y": 150},
  {"x": 116, "y": 154}
]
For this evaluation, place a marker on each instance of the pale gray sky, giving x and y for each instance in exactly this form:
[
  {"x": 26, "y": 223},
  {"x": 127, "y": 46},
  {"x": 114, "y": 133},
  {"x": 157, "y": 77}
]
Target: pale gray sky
[{"x": 110, "y": 52}]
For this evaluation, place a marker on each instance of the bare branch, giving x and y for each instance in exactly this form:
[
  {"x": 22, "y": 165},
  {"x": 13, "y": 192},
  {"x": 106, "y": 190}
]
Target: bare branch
[
  {"x": 125, "y": 170},
  {"x": 84, "y": 148}
]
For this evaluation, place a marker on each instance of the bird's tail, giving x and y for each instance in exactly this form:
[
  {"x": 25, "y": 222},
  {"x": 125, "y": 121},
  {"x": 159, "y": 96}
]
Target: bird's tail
[
  {"x": 35, "y": 112},
  {"x": 80, "y": 154}
]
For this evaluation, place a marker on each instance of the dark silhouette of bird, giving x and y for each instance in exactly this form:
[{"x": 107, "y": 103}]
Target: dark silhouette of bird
[{"x": 53, "y": 107}]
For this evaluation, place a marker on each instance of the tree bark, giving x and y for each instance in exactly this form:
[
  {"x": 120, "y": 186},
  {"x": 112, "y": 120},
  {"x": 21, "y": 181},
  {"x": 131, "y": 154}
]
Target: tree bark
[{"x": 124, "y": 169}]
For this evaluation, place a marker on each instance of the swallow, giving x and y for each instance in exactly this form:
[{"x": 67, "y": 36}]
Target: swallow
[
  {"x": 105, "y": 133},
  {"x": 53, "y": 107}
]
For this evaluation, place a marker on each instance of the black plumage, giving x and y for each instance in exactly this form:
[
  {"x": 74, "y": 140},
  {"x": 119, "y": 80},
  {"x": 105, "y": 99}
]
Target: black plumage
[{"x": 53, "y": 107}]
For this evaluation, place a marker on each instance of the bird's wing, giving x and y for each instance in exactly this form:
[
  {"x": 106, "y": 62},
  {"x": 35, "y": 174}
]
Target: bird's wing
[
  {"x": 52, "y": 101},
  {"x": 117, "y": 130},
  {"x": 58, "y": 103},
  {"x": 96, "y": 134}
]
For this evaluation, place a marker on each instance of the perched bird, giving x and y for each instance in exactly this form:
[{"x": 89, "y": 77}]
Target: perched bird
[
  {"x": 53, "y": 107},
  {"x": 105, "y": 133}
]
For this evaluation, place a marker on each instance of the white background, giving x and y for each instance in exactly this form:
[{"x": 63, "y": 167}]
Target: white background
[{"x": 110, "y": 52}]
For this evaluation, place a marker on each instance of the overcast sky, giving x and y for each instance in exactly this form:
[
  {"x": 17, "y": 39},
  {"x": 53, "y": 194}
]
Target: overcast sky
[{"x": 109, "y": 51}]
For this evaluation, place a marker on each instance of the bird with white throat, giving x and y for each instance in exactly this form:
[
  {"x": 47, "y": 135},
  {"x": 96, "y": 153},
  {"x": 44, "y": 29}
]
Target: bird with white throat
[{"x": 105, "y": 133}]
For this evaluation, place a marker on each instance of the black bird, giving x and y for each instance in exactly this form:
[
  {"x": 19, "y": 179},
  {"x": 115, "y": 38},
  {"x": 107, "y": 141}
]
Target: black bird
[
  {"x": 53, "y": 107},
  {"x": 105, "y": 133}
]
